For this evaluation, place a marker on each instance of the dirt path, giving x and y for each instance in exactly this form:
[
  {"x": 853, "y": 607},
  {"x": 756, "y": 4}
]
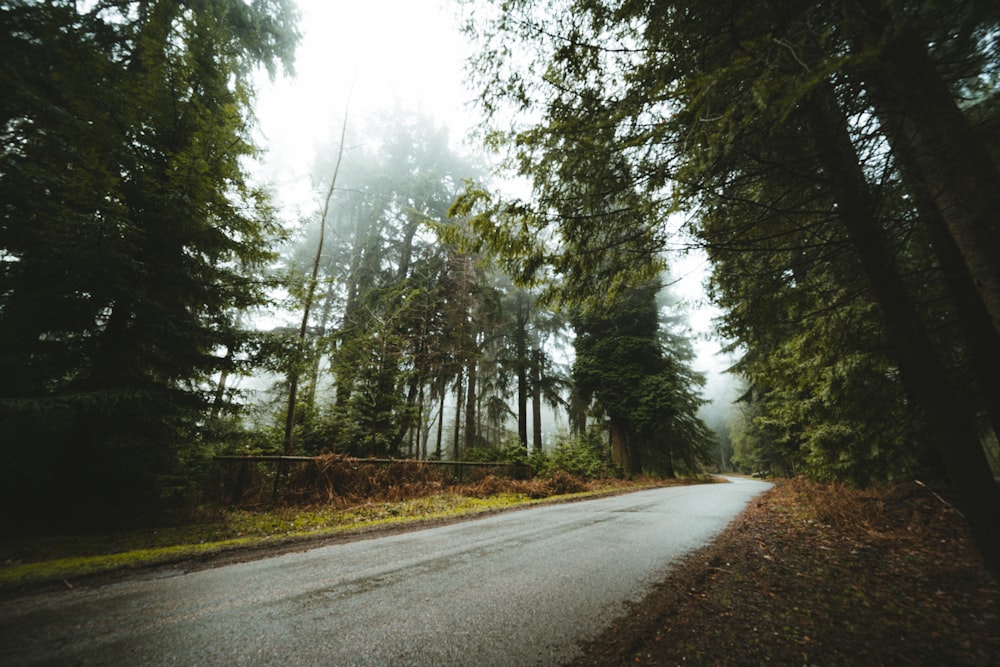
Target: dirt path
[{"x": 815, "y": 574}]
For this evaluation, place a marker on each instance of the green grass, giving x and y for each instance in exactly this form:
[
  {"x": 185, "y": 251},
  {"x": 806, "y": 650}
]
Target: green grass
[{"x": 29, "y": 562}]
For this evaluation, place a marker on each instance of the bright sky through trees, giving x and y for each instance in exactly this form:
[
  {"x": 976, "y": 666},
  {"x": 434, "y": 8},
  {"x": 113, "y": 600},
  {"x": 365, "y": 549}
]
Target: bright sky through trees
[{"x": 406, "y": 53}]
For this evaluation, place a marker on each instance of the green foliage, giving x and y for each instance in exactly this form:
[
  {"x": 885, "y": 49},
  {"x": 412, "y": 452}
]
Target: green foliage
[
  {"x": 826, "y": 393},
  {"x": 582, "y": 456},
  {"x": 131, "y": 239},
  {"x": 648, "y": 393},
  {"x": 621, "y": 113},
  {"x": 54, "y": 559},
  {"x": 407, "y": 316},
  {"x": 585, "y": 456},
  {"x": 387, "y": 326}
]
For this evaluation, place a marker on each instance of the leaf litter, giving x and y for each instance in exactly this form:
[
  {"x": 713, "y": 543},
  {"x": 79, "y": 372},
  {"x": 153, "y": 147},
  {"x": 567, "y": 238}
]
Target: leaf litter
[{"x": 821, "y": 574}]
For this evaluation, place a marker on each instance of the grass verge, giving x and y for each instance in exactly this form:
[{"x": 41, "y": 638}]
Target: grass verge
[{"x": 31, "y": 563}]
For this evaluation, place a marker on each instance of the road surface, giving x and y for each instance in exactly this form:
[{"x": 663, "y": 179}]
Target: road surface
[{"x": 518, "y": 588}]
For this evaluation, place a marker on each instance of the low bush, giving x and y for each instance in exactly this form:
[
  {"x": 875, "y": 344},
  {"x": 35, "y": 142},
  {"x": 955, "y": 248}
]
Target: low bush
[
  {"x": 561, "y": 483},
  {"x": 579, "y": 456}
]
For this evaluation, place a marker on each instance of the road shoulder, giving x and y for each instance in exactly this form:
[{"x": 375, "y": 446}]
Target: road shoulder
[{"x": 812, "y": 573}]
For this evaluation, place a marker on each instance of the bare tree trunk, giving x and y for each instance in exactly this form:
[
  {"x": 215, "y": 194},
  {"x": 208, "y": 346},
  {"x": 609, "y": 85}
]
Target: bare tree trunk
[
  {"x": 289, "y": 447},
  {"x": 459, "y": 384},
  {"x": 407, "y": 423},
  {"x": 536, "y": 399},
  {"x": 406, "y": 248},
  {"x": 984, "y": 345},
  {"x": 324, "y": 320},
  {"x": 218, "y": 401},
  {"x": 421, "y": 433},
  {"x": 945, "y": 157},
  {"x": 619, "y": 448},
  {"x": 440, "y": 430},
  {"x": 470, "y": 407},
  {"x": 293, "y": 382},
  {"x": 521, "y": 349},
  {"x": 980, "y": 336}
]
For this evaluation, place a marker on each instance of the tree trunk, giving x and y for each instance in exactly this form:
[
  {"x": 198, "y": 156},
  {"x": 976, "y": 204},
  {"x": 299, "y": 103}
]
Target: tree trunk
[
  {"x": 979, "y": 336},
  {"x": 406, "y": 248},
  {"x": 293, "y": 384},
  {"x": 470, "y": 407},
  {"x": 420, "y": 431},
  {"x": 619, "y": 447},
  {"x": 219, "y": 400},
  {"x": 440, "y": 429},
  {"x": 536, "y": 400},
  {"x": 407, "y": 423},
  {"x": 945, "y": 157},
  {"x": 459, "y": 384},
  {"x": 352, "y": 318},
  {"x": 521, "y": 363},
  {"x": 324, "y": 320},
  {"x": 950, "y": 424}
]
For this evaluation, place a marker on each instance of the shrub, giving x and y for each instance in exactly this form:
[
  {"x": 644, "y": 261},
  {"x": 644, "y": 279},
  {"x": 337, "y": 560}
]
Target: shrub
[
  {"x": 562, "y": 482},
  {"x": 581, "y": 457}
]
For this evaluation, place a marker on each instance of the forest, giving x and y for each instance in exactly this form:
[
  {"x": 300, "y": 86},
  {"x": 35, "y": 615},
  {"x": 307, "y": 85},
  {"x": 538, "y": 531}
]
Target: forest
[{"x": 837, "y": 163}]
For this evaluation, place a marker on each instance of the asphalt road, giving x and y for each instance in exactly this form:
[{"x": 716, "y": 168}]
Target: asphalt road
[{"x": 519, "y": 588}]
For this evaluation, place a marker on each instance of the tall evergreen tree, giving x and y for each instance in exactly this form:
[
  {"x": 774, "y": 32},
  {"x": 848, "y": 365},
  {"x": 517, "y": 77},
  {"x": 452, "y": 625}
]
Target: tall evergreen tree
[
  {"x": 130, "y": 237},
  {"x": 379, "y": 330},
  {"x": 646, "y": 391},
  {"x": 797, "y": 129}
]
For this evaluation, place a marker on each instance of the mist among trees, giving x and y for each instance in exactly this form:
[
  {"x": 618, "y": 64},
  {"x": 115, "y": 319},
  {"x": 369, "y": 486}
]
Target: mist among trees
[{"x": 156, "y": 312}]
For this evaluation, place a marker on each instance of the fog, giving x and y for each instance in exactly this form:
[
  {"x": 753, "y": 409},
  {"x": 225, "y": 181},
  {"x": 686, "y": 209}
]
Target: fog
[
  {"x": 365, "y": 58},
  {"x": 379, "y": 54}
]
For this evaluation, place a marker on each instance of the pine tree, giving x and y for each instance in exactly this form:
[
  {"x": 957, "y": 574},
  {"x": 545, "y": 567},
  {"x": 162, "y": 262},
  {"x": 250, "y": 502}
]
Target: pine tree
[
  {"x": 646, "y": 391},
  {"x": 798, "y": 130},
  {"x": 130, "y": 238}
]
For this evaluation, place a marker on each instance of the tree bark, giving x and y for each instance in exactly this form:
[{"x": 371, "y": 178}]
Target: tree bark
[
  {"x": 459, "y": 396},
  {"x": 978, "y": 335},
  {"x": 293, "y": 384},
  {"x": 536, "y": 400},
  {"x": 521, "y": 350},
  {"x": 324, "y": 320},
  {"x": 470, "y": 406},
  {"x": 950, "y": 424},
  {"x": 946, "y": 159},
  {"x": 420, "y": 446},
  {"x": 619, "y": 448},
  {"x": 408, "y": 422},
  {"x": 440, "y": 427}
]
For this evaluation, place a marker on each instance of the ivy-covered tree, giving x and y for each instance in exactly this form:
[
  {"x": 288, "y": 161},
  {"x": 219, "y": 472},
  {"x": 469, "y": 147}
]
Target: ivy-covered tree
[{"x": 130, "y": 239}]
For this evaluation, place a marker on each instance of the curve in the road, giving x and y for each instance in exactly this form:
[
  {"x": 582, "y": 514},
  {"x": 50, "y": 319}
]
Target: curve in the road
[{"x": 519, "y": 588}]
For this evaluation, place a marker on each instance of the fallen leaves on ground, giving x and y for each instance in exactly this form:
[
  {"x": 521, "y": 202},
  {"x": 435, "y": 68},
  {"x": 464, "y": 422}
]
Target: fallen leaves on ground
[{"x": 821, "y": 574}]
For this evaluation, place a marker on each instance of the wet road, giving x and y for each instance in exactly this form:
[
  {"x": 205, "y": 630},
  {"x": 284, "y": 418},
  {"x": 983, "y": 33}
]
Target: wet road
[{"x": 519, "y": 588}]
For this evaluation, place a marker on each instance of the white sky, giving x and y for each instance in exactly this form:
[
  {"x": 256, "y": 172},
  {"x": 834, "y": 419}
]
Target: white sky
[{"x": 392, "y": 52}]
